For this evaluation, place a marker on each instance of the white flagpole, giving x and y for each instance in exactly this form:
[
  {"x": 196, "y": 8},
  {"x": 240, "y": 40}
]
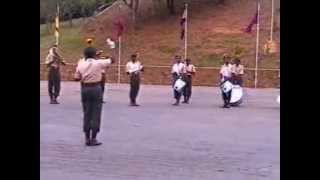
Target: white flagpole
[
  {"x": 257, "y": 47},
  {"x": 57, "y": 21},
  {"x": 186, "y": 33},
  {"x": 272, "y": 19},
  {"x": 119, "y": 60}
]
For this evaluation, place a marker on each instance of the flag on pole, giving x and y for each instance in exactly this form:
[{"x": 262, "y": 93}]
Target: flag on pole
[
  {"x": 183, "y": 24},
  {"x": 56, "y": 32},
  {"x": 253, "y": 22},
  {"x": 119, "y": 28}
]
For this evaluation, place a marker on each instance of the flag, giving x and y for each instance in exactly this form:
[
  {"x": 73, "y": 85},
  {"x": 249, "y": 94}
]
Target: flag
[
  {"x": 183, "y": 23},
  {"x": 253, "y": 22},
  {"x": 119, "y": 27},
  {"x": 56, "y": 32}
]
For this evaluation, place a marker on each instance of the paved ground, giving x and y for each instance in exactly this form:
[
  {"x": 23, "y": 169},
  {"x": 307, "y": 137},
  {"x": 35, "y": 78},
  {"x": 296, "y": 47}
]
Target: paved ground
[{"x": 157, "y": 141}]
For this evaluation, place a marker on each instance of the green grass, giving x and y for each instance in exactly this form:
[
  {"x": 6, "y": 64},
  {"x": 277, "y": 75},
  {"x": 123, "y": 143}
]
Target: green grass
[
  {"x": 210, "y": 60},
  {"x": 71, "y": 41}
]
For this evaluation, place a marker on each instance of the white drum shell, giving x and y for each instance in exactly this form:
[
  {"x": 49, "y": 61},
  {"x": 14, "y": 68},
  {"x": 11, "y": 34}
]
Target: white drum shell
[{"x": 179, "y": 84}]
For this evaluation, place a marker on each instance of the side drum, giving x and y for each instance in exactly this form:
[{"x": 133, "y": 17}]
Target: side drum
[{"x": 236, "y": 95}]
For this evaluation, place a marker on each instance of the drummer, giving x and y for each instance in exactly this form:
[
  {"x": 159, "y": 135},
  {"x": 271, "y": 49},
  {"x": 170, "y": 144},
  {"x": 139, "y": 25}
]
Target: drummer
[
  {"x": 225, "y": 75},
  {"x": 177, "y": 71},
  {"x": 226, "y": 69},
  {"x": 237, "y": 72}
]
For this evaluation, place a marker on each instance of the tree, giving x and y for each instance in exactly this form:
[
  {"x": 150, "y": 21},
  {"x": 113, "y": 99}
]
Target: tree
[
  {"x": 171, "y": 7},
  {"x": 134, "y": 6}
]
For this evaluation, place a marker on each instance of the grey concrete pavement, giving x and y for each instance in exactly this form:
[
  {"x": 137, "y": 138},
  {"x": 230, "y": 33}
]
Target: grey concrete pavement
[{"x": 158, "y": 141}]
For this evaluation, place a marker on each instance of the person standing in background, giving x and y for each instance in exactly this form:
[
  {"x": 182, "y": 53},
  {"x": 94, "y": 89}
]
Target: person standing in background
[
  {"x": 177, "y": 71},
  {"x": 133, "y": 69},
  {"x": 237, "y": 72},
  {"x": 190, "y": 71},
  {"x": 53, "y": 62}
]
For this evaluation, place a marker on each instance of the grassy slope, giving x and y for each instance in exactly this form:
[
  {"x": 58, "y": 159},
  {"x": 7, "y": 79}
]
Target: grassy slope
[{"x": 212, "y": 31}]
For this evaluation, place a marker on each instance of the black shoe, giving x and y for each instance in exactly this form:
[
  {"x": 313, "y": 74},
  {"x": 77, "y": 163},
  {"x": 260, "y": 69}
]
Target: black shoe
[
  {"x": 134, "y": 104},
  {"x": 176, "y": 104},
  {"x": 94, "y": 142},
  {"x": 88, "y": 142},
  {"x": 225, "y": 106}
]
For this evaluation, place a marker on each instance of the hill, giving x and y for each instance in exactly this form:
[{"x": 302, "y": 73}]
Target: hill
[{"x": 213, "y": 30}]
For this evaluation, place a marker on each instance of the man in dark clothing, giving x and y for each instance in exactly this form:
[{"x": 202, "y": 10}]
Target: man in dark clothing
[
  {"x": 133, "y": 68},
  {"x": 53, "y": 62},
  {"x": 89, "y": 72},
  {"x": 190, "y": 71}
]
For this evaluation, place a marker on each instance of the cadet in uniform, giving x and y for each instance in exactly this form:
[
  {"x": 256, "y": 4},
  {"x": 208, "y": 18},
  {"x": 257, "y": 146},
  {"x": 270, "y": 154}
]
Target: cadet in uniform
[
  {"x": 133, "y": 69},
  {"x": 226, "y": 75},
  {"x": 53, "y": 62},
  {"x": 237, "y": 72},
  {"x": 89, "y": 73},
  {"x": 190, "y": 71},
  {"x": 177, "y": 71}
]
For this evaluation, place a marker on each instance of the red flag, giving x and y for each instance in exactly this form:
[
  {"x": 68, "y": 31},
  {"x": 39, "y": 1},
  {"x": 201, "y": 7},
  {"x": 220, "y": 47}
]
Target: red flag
[
  {"x": 183, "y": 23},
  {"x": 119, "y": 28},
  {"x": 253, "y": 22}
]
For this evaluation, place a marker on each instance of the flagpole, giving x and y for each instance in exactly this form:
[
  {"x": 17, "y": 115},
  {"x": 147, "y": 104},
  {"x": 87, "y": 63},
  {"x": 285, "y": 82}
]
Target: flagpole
[
  {"x": 57, "y": 24},
  {"x": 186, "y": 33},
  {"x": 119, "y": 60},
  {"x": 257, "y": 47},
  {"x": 272, "y": 19}
]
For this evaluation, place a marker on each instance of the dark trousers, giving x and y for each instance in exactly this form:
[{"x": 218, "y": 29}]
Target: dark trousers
[
  {"x": 177, "y": 94},
  {"x": 54, "y": 80},
  {"x": 91, "y": 98},
  {"x": 187, "y": 91},
  {"x": 103, "y": 82},
  {"x": 226, "y": 97},
  {"x": 237, "y": 80},
  {"x": 134, "y": 87}
]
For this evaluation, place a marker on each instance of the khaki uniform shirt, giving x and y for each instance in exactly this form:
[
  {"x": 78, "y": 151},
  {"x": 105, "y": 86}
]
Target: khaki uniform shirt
[
  {"x": 238, "y": 70},
  {"x": 90, "y": 70},
  {"x": 190, "y": 69},
  {"x": 54, "y": 59}
]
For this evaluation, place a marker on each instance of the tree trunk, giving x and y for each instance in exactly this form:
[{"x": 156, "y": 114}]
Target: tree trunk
[
  {"x": 170, "y": 5},
  {"x": 70, "y": 20},
  {"x": 135, "y": 13}
]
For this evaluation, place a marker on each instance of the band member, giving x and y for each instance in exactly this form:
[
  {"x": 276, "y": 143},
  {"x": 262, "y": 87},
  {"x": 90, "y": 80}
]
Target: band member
[
  {"x": 53, "y": 62},
  {"x": 190, "y": 71},
  {"x": 177, "y": 71},
  {"x": 89, "y": 72},
  {"x": 225, "y": 75},
  {"x": 226, "y": 69},
  {"x": 237, "y": 72},
  {"x": 133, "y": 69}
]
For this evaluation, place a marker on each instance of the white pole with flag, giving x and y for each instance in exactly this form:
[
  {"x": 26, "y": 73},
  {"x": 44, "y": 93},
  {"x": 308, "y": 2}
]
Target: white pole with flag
[
  {"x": 119, "y": 61},
  {"x": 56, "y": 33},
  {"x": 257, "y": 47},
  {"x": 186, "y": 32}
]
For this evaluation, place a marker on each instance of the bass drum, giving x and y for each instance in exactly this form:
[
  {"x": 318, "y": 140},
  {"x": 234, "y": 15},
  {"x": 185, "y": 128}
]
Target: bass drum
[{"x": 236, "y": 95}]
